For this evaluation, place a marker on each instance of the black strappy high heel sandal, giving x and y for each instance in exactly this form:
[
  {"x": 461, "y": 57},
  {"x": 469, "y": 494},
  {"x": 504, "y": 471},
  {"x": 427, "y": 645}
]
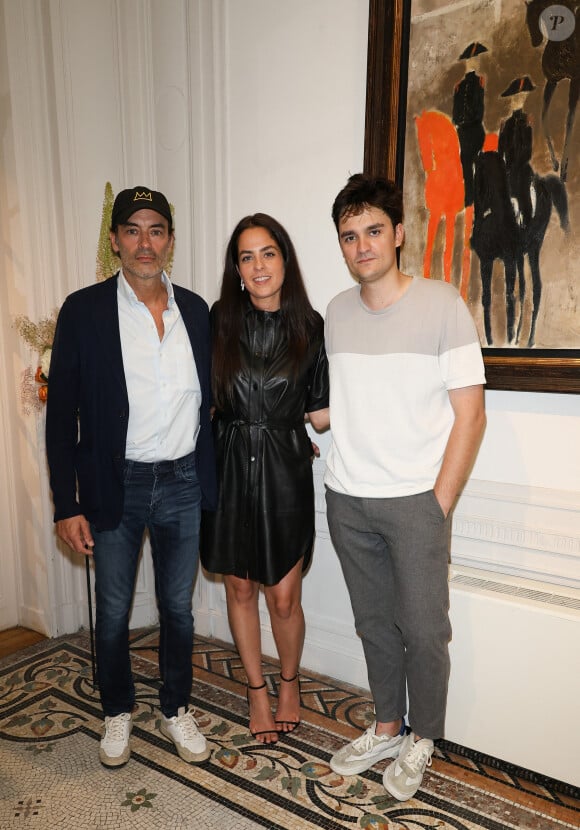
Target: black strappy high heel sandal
[
  {"x": 289, "y": 726},
  {"x": 262, "y": 731}
]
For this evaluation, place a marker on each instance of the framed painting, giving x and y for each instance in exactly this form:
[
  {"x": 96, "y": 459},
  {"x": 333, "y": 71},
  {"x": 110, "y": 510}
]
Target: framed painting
[{"x": 470, "y": 108}]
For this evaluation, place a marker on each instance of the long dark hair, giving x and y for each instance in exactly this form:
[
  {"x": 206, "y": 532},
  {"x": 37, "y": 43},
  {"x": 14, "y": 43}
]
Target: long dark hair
[{"x": 298, "y": 317}]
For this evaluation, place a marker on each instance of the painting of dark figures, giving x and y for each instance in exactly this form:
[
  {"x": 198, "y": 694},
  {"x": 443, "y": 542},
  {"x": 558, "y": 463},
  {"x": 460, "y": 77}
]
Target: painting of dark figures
[{"x": 492, "y": 169}]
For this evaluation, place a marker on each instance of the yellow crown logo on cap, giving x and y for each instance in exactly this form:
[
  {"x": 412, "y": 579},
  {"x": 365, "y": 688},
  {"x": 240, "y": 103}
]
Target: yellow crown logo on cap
[{"x": 143, "y": 195}]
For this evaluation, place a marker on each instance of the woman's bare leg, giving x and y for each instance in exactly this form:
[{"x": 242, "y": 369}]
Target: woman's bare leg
[
  {"x": 287, "y": 618},
  {"x": 242, "y": 601}
]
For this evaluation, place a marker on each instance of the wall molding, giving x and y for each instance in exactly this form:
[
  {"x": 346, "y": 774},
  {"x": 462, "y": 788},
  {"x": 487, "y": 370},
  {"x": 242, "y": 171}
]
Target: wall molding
[
  {"x": 520, "y": 530},
  {"x": 532, "y": 532}
]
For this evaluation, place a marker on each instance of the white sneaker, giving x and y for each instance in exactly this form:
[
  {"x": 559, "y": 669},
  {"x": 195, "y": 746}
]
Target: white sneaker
[
  {"x": 403, "y": 777},
  {"x": 183, "y": 730},
  {"x": 114, "y": 748},
  {"x": 365, "y": 751}
]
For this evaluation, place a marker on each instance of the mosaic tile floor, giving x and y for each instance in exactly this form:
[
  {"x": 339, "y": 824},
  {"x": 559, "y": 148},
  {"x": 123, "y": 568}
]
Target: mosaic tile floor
[{"x": 50, "y": 776}]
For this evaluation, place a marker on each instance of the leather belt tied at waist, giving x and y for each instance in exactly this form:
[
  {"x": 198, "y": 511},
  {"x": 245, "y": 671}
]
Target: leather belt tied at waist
[{"x": 240, "y": 422}]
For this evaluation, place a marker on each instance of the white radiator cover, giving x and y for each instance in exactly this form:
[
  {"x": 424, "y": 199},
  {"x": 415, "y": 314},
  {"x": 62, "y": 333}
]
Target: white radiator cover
[{"x": 515, "y": 679}]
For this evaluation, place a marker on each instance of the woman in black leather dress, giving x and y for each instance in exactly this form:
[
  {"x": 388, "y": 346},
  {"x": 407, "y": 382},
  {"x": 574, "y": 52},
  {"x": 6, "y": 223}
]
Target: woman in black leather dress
[{"x": 269, "y": 370}]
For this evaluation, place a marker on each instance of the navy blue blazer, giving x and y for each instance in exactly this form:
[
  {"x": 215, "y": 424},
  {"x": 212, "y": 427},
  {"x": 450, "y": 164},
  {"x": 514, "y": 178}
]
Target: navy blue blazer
[{"x": 87, "y": 410}]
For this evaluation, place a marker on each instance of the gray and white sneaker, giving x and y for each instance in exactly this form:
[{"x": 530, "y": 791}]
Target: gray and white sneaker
[
  {"x": 183, "y": 730},
  {"x": 114, "y": 749},
  {"x": 365, "y": 751},
  {"x": 403, "y": 777}
]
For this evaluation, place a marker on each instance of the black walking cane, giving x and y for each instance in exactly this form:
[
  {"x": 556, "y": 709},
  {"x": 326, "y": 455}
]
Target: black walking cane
[{"x": 91, "y": 628}]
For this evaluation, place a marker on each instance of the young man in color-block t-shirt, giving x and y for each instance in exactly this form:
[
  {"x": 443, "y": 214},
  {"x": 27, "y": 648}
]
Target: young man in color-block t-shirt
[{"x": 407, "y": 416}]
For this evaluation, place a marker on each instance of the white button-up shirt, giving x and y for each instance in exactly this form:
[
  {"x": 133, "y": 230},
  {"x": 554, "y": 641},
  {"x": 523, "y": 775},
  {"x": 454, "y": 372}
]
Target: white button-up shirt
[{"x": 161, "y": 376}]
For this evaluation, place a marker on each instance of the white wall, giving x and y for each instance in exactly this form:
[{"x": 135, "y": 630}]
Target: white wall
[
  {"x": 295, "y": 102},
  {"x": 230, "y": 107}
]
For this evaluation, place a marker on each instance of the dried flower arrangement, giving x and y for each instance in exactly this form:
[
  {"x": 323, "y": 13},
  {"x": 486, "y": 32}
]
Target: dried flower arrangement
[{"x": 39, "y": 336}]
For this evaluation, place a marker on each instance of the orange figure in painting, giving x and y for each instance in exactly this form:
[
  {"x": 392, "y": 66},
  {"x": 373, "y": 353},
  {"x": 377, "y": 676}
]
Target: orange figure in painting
[{"x": 444, "y": 188}]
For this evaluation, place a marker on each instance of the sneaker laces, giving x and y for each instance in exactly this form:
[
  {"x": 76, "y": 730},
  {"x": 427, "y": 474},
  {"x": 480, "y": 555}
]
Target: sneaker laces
[
  {"x": 417, "y": 758},
  {"x": 115, "y": 728},
  {"x": 188, "y": 724},
  {"x": 366, "y": 741}
]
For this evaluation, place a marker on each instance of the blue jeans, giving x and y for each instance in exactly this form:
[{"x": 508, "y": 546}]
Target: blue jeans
[{"x": 165, "y": 499}]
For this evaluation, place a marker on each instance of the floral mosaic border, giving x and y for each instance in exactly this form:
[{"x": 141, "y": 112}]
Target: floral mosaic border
[{"x": 50, "y": 696}]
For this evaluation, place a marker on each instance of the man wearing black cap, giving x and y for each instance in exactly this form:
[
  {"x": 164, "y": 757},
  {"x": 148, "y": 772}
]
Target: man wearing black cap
[{"x": 129, "y": 448}]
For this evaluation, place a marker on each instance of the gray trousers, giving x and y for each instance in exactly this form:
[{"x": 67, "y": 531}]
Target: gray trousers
[{"x": 394, "y": 556}]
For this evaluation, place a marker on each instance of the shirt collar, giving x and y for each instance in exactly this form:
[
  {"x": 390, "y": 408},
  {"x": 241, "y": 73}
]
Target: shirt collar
[{"x": 128, "y": 293}]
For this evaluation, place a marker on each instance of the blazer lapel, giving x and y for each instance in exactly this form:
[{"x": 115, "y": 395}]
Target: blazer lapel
[{"x": 106, "y": 316}]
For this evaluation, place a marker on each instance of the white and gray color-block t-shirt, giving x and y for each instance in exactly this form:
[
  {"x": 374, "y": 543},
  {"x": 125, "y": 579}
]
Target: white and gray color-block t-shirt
[{"x": 390, "y": 372}]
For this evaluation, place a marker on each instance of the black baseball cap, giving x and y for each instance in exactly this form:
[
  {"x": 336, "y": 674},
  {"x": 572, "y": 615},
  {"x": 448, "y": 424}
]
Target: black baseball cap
[{"x": 138, "y": 198}]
